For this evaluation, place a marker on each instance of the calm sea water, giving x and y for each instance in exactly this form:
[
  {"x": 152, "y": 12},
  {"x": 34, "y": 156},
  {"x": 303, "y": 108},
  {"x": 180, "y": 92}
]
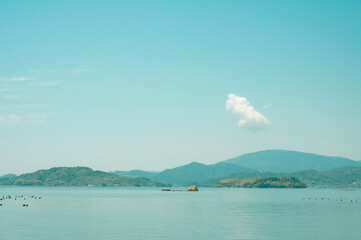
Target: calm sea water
[{"x": 148, "y": 213}]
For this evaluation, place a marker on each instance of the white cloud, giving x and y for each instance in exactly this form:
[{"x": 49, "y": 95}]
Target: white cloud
[
  {"x": 35, "y": 118},
  {"x": 248, "y": 116},
  {"x": 7, "y": 89},
  {"x": 15, "y": 79},
  {"x": 45, "y": 84},
  {"x": 22, "y": 106},
  {"x": 64, "y": 71},
  {"x": 10, "y": 96},
  {"x": 31, "y": 118},
  {"x": 10, "y": 119}
]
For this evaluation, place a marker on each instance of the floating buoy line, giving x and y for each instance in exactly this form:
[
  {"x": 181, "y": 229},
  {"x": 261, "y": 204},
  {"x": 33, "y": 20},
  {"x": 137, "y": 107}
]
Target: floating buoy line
[{"x": 20, "y": 198}]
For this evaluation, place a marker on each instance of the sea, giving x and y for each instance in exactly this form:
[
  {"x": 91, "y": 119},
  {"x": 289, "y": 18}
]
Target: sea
[{"x": 101, "y": 213}]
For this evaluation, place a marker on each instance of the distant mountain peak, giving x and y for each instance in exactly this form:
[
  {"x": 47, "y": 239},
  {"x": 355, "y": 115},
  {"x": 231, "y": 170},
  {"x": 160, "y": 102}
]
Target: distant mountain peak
[{"x": 276, "y": 160}]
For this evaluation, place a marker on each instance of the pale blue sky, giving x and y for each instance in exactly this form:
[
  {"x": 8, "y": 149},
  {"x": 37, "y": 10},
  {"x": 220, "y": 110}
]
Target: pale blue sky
[{"x": 119, "y": 85}]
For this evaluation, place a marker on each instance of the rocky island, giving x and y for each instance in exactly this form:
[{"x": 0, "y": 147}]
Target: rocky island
[{"x": 272, "y": 182}]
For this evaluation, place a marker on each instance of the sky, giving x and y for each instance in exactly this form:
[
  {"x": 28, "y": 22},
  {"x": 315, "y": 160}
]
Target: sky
[{"x": 120, "y": 85}]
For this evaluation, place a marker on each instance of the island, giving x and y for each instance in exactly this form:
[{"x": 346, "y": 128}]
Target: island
[
  {"x": 77, "y": 176},
  {"x": 272, "y": 182}
]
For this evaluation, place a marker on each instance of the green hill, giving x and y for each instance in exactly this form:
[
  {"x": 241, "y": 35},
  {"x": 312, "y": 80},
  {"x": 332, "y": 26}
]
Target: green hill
[
  {"x": 76, "y": 176},
  {"x": 290, "y": 161},
  {"x": 343, "y": 177},
  {"x": 7, "y": 176},
  {"x": 273, "y": 182},
  {"x": 198, "y": 172},
  {"x": 185, "y": 175}
]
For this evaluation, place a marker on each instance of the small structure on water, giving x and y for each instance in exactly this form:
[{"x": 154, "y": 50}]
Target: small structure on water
[
  {"x": 193, "y": 188},
  {"x": 190, "y": 189}
]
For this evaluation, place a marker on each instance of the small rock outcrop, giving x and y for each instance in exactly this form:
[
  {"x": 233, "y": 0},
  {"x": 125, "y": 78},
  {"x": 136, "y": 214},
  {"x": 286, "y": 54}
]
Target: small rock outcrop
[{"x": 193, "y": 188}]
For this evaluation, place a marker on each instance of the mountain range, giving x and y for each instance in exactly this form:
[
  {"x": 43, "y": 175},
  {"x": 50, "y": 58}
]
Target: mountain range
[
  {"x": 312, "y": 169},
  {"x": 290, "y": 161},
  {"x": 193, "y": 172},
  {"x": 268, "y": 163}
]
